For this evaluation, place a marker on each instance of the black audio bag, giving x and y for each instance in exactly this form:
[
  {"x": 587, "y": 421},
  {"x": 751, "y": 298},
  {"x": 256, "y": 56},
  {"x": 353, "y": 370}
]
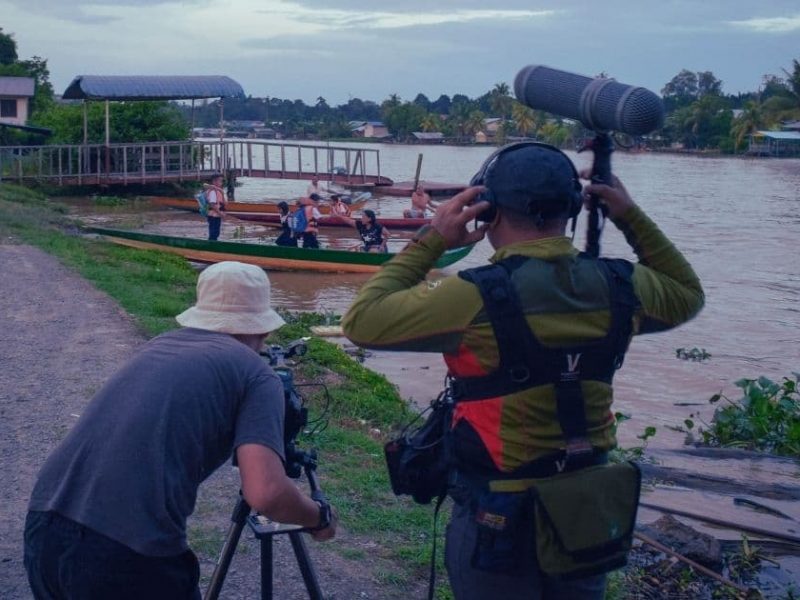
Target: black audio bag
[{"x": 419, "y": 460}]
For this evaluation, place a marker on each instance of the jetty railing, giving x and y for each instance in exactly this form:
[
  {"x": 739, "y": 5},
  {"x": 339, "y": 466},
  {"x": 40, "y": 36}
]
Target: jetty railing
[{"x": 154, "y": 162}]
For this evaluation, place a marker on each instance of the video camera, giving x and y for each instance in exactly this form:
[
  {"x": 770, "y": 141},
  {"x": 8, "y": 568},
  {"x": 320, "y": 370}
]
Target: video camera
[{"x": 296, "y": 412}]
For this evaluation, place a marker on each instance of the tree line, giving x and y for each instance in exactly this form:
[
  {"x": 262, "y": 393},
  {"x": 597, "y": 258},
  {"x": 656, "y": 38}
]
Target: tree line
[{"x": 699, "y": 115}]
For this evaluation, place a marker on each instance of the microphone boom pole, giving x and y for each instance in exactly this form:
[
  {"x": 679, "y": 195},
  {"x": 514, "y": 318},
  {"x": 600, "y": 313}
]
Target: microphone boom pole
[
  {"x": 602, "y": 146},
  {"x": 600, "y": 104}
]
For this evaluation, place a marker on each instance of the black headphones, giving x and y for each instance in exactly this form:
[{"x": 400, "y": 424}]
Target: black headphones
[{"x": 573, "y": 198}]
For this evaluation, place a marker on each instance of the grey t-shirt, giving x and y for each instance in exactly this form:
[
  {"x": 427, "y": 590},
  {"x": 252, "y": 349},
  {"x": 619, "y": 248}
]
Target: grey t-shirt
[{"x": 131, "y": 466}]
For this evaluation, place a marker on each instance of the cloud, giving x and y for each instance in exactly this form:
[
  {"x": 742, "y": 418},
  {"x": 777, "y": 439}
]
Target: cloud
[
  {"x": 372, "y": 19},
  {"x": 417, "y": 6},
  {"x": 770, "y": 24},
  {"x": 93, "y": 12}
]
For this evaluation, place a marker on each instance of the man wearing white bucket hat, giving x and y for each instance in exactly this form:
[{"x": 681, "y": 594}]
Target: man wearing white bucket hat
[{"x": 107, "y": 516}]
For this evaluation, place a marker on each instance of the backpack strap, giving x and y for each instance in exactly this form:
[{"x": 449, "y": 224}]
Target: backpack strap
[{"x": 525, "y": 362}]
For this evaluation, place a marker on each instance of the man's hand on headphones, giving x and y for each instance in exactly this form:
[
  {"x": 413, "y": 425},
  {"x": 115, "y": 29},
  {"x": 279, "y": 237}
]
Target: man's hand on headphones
[{"x": 451, "y": 218}]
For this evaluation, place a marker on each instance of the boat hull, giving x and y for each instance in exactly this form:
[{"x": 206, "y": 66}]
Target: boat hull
[
  {"x": 335, "y": 221},
  {"x": 262, "y": 255},
  {"x": 234, "y": 208}
]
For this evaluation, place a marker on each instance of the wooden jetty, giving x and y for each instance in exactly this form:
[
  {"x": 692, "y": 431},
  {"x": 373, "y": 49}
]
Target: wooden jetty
[{"x": 161, "y": 162}]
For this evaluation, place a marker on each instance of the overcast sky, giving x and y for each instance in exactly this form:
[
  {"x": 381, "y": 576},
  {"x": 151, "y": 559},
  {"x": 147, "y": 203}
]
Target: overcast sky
[{"x": 370, "y": 49}]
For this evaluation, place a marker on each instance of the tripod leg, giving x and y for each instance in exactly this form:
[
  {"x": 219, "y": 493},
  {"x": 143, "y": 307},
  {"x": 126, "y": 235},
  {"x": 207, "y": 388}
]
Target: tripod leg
[
  {"x": 238, "y": 518},
  {"x": 306, "y": 568},
  {"x": 266, "y": 568}
]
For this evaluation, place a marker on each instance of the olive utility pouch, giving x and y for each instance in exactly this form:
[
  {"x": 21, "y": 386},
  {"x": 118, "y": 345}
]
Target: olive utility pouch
[{"x": 585, "y": 519}]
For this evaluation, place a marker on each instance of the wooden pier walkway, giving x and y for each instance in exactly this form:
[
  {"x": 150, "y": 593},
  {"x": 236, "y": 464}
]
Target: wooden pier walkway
[{"x": 160, "y": 162}]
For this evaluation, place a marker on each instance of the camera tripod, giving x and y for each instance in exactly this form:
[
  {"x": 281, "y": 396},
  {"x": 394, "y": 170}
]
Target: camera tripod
[{"x": 265, "y": 532}]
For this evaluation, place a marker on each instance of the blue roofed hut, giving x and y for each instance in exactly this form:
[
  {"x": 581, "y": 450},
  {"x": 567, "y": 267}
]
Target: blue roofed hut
[{"x": 149, "y": 87}]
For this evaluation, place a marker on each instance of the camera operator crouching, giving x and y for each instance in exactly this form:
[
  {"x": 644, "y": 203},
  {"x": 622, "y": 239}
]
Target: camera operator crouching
[
  {"x": 107, "y": 516},
  {"x": 531, "y": 343}
]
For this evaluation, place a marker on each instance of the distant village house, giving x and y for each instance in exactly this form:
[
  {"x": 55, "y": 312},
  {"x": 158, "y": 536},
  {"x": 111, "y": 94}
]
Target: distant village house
[
  {"x": 369, "y": 129},
  {"x": 774, "y": 143},
  {"x": 785, "y": 142},
  {"x": 15, "y": 95},
  {"x": 488, "y": 132},
  {"x": 428, "y": 137}
]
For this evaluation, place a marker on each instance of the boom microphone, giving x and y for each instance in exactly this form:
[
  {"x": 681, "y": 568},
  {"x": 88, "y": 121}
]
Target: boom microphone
[{"x": 600, "y": 104}]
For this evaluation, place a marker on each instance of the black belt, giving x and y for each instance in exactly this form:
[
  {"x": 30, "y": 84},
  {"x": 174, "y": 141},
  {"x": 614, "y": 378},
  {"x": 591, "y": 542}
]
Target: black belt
[{"x": 464, "y": 481}]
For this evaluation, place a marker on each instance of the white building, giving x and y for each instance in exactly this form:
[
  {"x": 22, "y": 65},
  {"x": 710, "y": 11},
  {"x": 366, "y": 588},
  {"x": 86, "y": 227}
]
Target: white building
[
  {"x": 15, "y": 95},
  {"x": 369, "y": 129}
]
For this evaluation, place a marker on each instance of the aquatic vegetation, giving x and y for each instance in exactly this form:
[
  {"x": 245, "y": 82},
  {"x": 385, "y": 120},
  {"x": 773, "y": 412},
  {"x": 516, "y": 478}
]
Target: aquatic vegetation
[
  {"x": 765, "y": 418},
  {"x": 695, "y": 354},
  {"x": 635, "y": 453},
  {"x": 109, "y": 201}
]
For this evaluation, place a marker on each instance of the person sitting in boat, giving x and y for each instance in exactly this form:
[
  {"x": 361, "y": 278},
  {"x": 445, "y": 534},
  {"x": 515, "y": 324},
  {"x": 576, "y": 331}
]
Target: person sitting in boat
[
  {"x": 339, "y": 207},
  {"x": 421, "y": 204},
  {"x": 373, "y": 234},
  {"x": 286, "y": 238}
]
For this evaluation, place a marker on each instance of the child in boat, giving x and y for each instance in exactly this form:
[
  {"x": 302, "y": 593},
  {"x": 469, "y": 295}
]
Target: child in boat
[
  {"x": 339, "y": 207},
  {"x": 286, "y": 238}
]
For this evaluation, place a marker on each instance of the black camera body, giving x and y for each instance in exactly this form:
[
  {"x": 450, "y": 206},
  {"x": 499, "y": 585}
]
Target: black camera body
[{"x": 295, "y": 412}]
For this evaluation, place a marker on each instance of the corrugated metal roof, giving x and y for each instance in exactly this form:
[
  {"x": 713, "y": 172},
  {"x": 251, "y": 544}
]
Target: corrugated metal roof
[
  {"x": 780, "y": 135},
  {"x": 17, "y": 86},
  {"x": 30, "y": 128},
  {"x": 121, "y": 87}
]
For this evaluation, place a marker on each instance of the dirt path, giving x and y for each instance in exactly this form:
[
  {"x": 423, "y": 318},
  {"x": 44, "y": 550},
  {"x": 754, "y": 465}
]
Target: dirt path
[{"x": 60, "y": 339}]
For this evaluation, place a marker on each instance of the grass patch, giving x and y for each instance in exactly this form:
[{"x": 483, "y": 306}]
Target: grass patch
[{"x": 151, "y": 286}]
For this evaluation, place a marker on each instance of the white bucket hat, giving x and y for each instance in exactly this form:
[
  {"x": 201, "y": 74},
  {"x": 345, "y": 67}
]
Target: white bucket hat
[{"x": 232, "y": 297}]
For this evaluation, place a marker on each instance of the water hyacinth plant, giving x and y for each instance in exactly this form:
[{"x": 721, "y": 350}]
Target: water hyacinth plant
[{"x": 765, "y": 418}]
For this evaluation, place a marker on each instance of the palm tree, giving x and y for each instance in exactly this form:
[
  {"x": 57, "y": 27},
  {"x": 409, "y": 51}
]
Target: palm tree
[
  {"x": 431, "y": 122},
  {"x": 698, "y": 121},
  {"x": 459, "y": 116},
  {"x": 474, "y": 123},
  {"x": 500, "y": 100},
  {"x": 750, "y": 121},
  {"x": 793, "y": 80},
  {"x": 392, "y": 101},
  {"x": 523, "y": 118}
]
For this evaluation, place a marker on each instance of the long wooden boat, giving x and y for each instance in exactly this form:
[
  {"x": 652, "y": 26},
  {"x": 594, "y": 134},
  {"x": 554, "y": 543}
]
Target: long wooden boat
[
  {"x": 234, "y": 208},
  {"x": 335, "y": 220},
  {"x": 263, "y": 255}
]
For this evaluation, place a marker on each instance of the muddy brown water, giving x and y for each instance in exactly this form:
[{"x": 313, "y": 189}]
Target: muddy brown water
[{"x": 736, "y": 220}]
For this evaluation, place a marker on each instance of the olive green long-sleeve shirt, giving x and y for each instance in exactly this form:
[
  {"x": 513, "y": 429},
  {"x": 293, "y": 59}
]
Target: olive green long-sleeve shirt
[{"x": 564, "y": 304}]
